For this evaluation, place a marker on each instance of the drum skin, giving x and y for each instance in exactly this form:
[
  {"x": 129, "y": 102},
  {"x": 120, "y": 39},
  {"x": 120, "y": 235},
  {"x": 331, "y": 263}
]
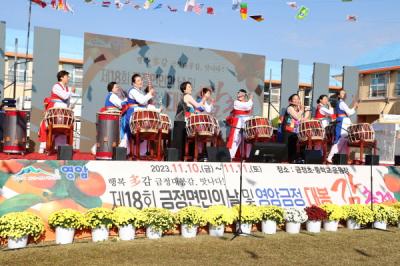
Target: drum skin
[
  {"x": 59, "y": 117},
  {"x": 14, "y": 136},
  {"x": 202, "y": 124},
  {"x": 107, "y": 135},
  {"x": 311, "y": 129},
  {"x": 258, "y": 127},
  {"x": 361, "y": 132},
  {"x": 145, "y": 121}
]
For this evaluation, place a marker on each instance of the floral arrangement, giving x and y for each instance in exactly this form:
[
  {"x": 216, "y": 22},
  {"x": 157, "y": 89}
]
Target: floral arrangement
[
  {"x": 316, "y": 213},
  {"x": 96, "y": 217},
  {"x": 122, "y": 216},
  {"x": 249, "y": 213},
  {"x": 219, "y": 215},
  {"x": 19, "y": 224},
  {"x": 66, "y": 218},
  {"x": 159, "y": 218},
  {"x": 191, "y": 216},
  {"x": 383, "y": 213},
  {"x": 360, "y": 213},
  {"x": 334, "y": 212},
  {"x": 271, "y": 212},
  {"x": 293, "y": 215},
  {"x": 396, "y": 208}
]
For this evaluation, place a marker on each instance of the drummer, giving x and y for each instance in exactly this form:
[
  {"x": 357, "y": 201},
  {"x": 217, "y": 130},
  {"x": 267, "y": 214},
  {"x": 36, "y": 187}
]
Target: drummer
[
  {"x": 187, "y": 105},
  {"x": 294, "y": 114},
  {"x": 115, "y": 99},
  {"x": 343, "y": 121},
  {"x": 204, "y": 97},
  {"x": 60, "y": 97},
  {"x": 242, "y": 108},
  {"x": 324, "y": 110},
  {"x": 136, "y": 100}
]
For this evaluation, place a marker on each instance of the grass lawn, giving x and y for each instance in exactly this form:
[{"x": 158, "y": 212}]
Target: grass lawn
[{"x": 363, "y": 247}]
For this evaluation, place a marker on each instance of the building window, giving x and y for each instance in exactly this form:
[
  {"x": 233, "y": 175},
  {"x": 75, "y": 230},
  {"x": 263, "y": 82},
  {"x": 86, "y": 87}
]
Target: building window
[
  {"x": 307, "y": 98},
  {"x": 397, "y": 89},
  {"x": 20, "y": 70},
  {"x": 378, "y": 85},
  {"x": 275, "y": 95}
]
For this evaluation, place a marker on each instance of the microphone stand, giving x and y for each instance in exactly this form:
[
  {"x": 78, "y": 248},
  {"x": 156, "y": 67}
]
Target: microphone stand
[{"x": 238, "y": 231}]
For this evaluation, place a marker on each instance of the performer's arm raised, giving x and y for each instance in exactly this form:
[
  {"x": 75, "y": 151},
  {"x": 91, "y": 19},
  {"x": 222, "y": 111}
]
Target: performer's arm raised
[
  {"x": 345, "y": 107},
  {"x": 245, "y": 106},
  {"x": 140, "y": 98}
]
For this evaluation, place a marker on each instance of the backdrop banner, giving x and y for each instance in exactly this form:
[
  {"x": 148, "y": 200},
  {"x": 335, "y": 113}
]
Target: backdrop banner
[{"x": 108, "y": 58}]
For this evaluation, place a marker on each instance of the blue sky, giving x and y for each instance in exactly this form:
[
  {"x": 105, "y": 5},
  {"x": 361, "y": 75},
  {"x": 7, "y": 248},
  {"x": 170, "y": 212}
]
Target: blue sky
[{"x": 324, "y": 36}]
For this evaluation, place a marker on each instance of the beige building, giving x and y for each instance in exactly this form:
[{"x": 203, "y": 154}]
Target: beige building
[
  {"x": 23, "y": 92},
  {"x": 379, "y": 93}
]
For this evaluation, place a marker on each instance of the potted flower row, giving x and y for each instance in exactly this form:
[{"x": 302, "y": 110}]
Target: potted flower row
[{"x": 17, "y": 227}]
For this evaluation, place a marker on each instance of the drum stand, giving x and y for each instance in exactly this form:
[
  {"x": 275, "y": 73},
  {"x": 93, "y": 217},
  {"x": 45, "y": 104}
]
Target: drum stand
[
  {"x": 362, "y": 145},
  {"x": 199, "y": 139},
  {"x": 51, "y": 134}
]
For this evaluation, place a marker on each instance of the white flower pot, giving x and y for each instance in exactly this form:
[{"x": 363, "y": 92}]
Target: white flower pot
[
  {"x": 100, "y": 233},
  {"x": 216, "y": 230},
  {"x": 380, "y": 225},
  {"x": 246, "y": 228},
  {"x": 352, "y": 225},
  {"x": 331, "y": 226},
  {"x": 152, "y": 233},
  {"x": 293, "y": 228},
  {"x": 268, "y": 227},
  {"x": 64, "y": 235},
  {"x": 313, "y": 226},
  {"x": 189, "y": 231},
  {"x": 126, "y": 232},
  {"x": 14, "y": 243}
]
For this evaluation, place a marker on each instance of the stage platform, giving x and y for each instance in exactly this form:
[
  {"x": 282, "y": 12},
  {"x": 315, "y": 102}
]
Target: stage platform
[{"x": 40, "y": 156}]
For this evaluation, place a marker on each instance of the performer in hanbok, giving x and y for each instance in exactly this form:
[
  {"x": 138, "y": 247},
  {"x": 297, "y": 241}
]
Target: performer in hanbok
[
  {"x": 242, "y": 108},
  {"x": 343, "y": 112},
  {"x": 208, "y": 102},
  {"x": 324, "y": 110},
  {"x": 60, "y": 97},
  {"x": 136, "y": 100}
]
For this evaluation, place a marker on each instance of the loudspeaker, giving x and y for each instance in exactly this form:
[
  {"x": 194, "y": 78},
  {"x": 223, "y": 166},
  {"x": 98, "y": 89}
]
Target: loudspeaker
[
  {"x": 313, "y": 157},
  {"x": 397, "y": 160},
  {"x": 64, "y": 152},
  {"x": 268, "y": 153},
  {"x": 119, "y": 154},
  {"x": 218, "y": 154},
  {"x": 171, "y": 155},
  {"x": 340, "y": 159},
  {"x": 371, "y": 159}
]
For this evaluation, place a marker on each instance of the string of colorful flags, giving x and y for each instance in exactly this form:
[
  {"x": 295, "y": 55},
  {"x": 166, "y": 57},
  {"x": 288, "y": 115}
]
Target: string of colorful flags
[{"x": 190, "y": 6}]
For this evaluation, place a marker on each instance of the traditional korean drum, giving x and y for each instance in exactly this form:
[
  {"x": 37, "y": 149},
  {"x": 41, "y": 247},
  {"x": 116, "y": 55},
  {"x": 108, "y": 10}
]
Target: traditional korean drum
[
  {"x": 311, "y": 129},
  {"x": 202, "y": 124},
  {"x": 165, "y": 124},
  {"x": 216, "y": 124},
  {"x": 14, "y": 131},
  {"x": 145, "y": 121},
  {"x": 107, "y": 134},
  {"x": 258, "y": 127},
  {"x": 358, "y": 132},
  {"x": 59, "y": 117},
  {"x": 330, "y": 132}
]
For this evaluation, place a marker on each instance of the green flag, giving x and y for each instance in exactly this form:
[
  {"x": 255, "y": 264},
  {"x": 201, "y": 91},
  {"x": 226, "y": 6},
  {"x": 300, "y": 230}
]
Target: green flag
[{"x": 303, "y": 12}]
